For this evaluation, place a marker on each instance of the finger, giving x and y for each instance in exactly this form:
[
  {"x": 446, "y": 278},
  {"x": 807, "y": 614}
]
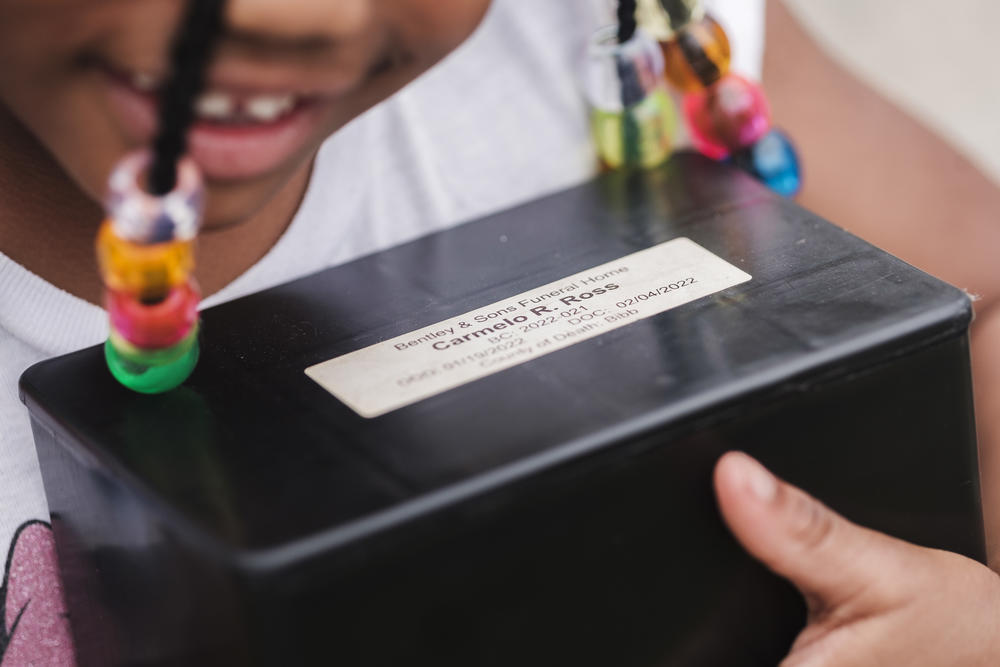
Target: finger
[{"x": 828, "y": 558}]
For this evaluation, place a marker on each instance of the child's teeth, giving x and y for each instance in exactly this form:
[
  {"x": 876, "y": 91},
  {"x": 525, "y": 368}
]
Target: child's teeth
[
  {"x": 220, "y": 106},
  {"x": 215, "y": 105},
  {"x": 266, "y": 108}
]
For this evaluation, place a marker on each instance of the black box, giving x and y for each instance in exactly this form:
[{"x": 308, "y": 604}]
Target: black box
[{"x": 559, "y": 512}]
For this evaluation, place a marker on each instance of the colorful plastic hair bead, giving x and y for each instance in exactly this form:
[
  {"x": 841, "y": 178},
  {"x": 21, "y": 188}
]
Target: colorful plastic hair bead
[
  {"x": 697, "y": 56},
  {"x": 157, "y": 324},
  {"x": 633, "y": 118},
  {"x": 774, "y": 161},
  {"x": 142, "y": 269},
  {"x": 728, "y": 116},
  {"x": 152, "y": 357},
  {"x": 140, "y": 217},
  {"x": 146, "y": 254},
  {"x": 156, "y": 376}
]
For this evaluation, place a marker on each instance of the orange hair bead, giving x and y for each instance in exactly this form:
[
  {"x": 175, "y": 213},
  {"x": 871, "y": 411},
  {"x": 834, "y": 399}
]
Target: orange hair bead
[
  {"x": 138, "y": 268},
  {"x": 697, "y": 55}
]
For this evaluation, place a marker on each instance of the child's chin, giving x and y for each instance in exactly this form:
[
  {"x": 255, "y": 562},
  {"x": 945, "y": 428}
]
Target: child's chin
[{"x": 233, "y": 203}]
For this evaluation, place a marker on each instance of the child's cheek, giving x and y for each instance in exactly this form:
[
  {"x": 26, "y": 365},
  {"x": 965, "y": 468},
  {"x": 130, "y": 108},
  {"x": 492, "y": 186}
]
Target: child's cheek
[{"x": 48, "y": 83}]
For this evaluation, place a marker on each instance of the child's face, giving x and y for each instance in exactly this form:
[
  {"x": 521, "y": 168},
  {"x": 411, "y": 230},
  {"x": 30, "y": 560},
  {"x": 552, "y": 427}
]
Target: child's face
[{"x": 81, "y": 76}]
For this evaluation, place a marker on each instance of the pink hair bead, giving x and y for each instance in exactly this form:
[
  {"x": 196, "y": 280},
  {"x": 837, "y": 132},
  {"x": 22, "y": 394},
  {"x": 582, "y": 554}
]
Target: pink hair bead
[
  {"x": 155, "y": 325},
  {"x": 727, "y": 116}
]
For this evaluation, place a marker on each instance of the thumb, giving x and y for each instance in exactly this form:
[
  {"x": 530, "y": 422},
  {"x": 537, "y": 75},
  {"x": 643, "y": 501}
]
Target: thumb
[{"x": 829, "y": 559}]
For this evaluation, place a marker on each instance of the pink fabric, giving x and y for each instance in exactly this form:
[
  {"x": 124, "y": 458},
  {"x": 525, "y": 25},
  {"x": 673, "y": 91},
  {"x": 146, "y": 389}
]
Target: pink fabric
[{"x": 36, "y": 621}]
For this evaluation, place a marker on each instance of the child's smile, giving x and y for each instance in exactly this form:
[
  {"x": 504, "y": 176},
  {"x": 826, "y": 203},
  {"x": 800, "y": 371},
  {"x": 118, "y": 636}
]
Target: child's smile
[
  {"x": 82, "y": 77},
  {"x": 241, "y": 130}
]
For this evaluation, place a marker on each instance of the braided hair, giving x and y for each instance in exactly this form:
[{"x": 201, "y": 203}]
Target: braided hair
[
  {"x": 190, "y": 50},
  {"x": 626, "y": 20}
]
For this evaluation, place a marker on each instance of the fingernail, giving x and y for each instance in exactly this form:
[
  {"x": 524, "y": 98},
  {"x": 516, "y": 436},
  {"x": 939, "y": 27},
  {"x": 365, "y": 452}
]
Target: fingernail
[{"x": 759, "y": 481}]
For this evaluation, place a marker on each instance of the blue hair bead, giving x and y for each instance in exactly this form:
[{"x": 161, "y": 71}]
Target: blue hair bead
[{"x": 774, "y": 161}]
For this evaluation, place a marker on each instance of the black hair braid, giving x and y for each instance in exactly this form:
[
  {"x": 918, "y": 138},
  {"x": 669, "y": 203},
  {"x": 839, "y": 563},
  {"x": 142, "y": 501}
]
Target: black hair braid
[
  {"x": 626, "y": 20},
  {"x": 190, "y": 51}
]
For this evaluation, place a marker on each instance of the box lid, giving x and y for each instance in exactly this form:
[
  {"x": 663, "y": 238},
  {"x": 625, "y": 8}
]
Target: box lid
[{"x": 253, "y": 457}]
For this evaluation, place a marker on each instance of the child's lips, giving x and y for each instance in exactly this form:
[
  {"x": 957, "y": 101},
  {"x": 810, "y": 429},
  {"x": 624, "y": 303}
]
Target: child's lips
[{"x": 236, "y": 135}]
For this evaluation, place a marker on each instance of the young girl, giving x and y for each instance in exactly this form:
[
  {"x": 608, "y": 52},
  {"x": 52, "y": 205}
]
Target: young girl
[{"x": 500, "y": 121}]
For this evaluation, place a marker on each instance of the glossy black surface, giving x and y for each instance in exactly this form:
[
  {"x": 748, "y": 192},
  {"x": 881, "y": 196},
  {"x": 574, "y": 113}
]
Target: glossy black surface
[{"x": 558, "y": 512}]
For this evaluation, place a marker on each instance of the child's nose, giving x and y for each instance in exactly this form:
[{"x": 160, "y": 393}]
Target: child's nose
[{"x": 298, "y": 19}]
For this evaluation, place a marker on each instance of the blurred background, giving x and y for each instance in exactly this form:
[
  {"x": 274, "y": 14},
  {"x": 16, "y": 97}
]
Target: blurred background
[{"x": 934, "y": 59}]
